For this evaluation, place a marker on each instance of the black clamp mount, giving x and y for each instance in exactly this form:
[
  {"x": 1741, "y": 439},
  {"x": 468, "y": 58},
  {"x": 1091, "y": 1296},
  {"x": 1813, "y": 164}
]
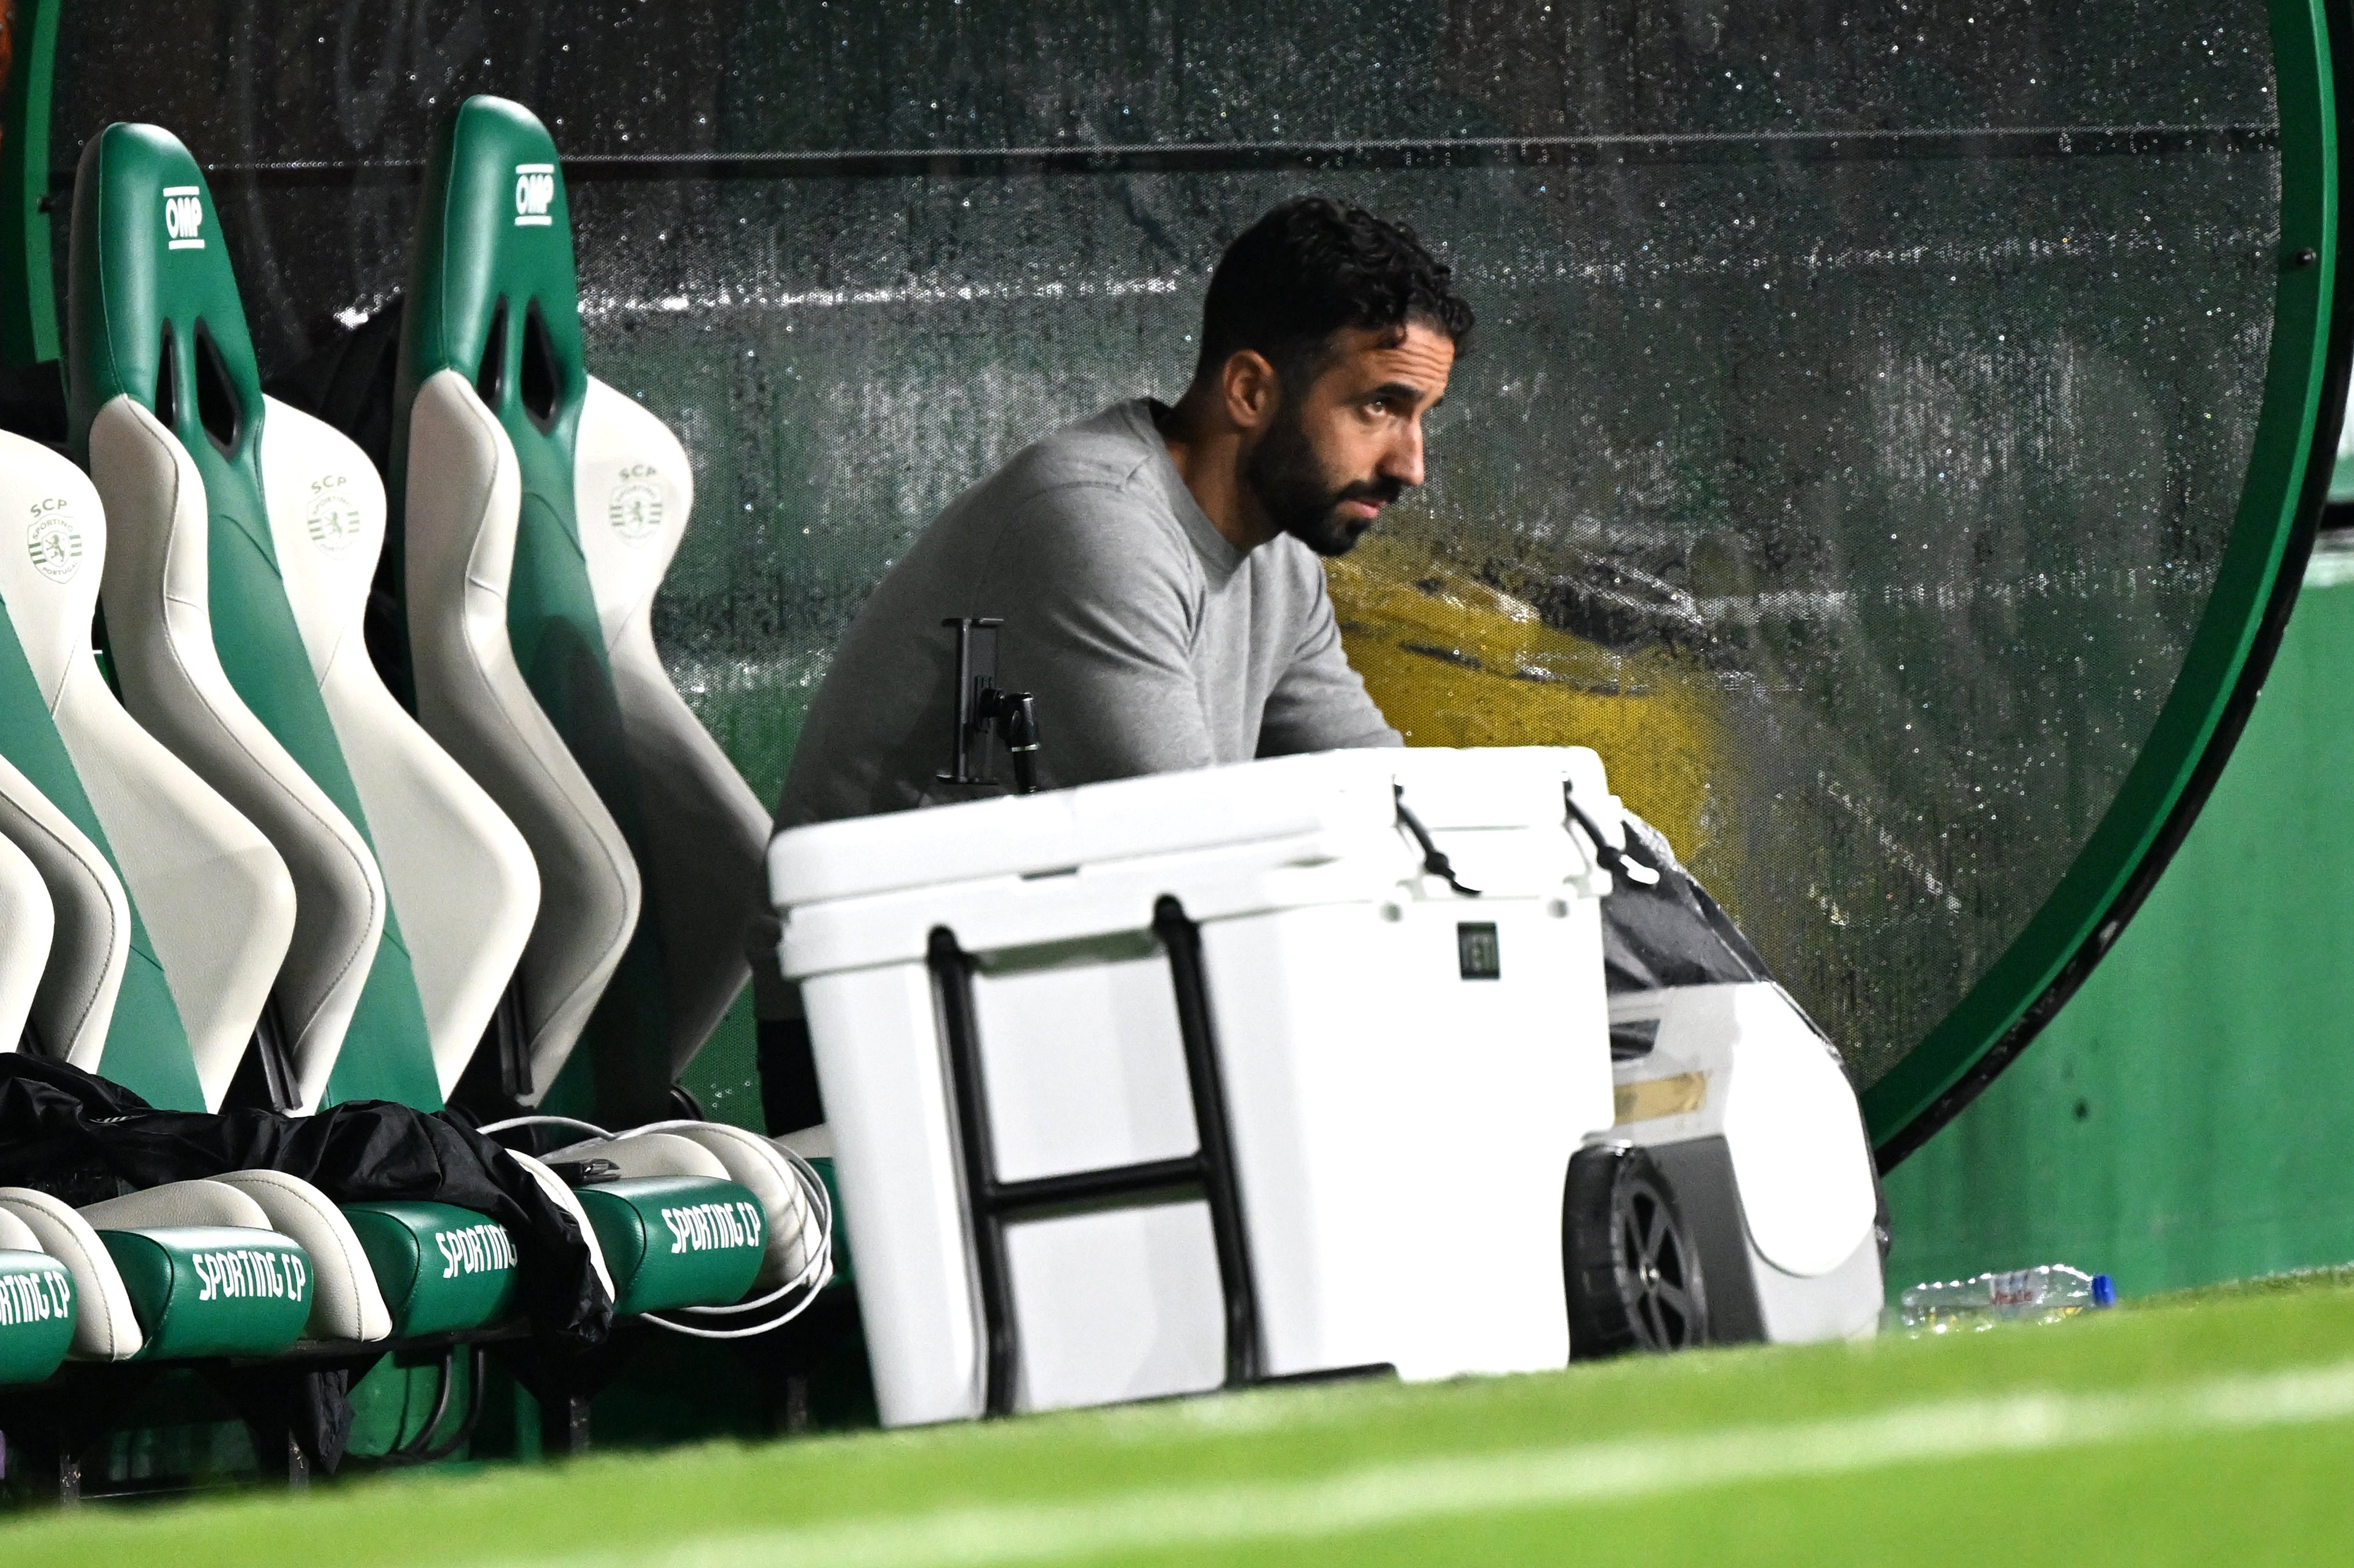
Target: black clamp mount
[{"x": 983, "y": 710}]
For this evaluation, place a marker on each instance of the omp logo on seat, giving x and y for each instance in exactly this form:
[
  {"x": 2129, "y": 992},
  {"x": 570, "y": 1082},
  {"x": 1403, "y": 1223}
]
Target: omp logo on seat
[
  {"x": 183, "y": 218},
  {"x": 33, "y": 1299},
  {"x": 708, "y": 1227},
  {"x": 485, "y": 1248},
  {"x": 247, "y": 1272},
  {"x": 535, "y": 192},
  {"x": 54, "y": 541}
]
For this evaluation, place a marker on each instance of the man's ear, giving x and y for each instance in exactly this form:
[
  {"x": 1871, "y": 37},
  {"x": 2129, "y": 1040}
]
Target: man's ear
[{"x": 1249, "y": 389}]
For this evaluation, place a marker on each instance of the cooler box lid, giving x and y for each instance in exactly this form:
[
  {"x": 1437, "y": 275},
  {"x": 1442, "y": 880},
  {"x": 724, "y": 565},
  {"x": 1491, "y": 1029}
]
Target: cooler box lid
[{"x": 1278, "y": 802}]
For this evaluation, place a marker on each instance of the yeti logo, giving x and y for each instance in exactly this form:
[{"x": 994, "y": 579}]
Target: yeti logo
[
  {"x": 535, "y": 193},
  {"x": 183, "y": 218},
  {"x": 635, "y": 509},
  {"x": 332, "y": 521},
  {"x": 55, "y": 544}
]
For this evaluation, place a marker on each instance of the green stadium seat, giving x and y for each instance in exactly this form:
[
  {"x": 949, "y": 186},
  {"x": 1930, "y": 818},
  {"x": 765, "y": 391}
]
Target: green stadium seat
[
  {"x": 164, "y": 398},
  {"x": 194, "y": 862},
  {"x": 291, "y": 516},
  {"x": 258, "y": 676},
  {"x": 190, "y": 1269},
  {"x": 537, "y": 509},
  {"x": 793, "y": 1235},
  {"x": 221, "y": 908},
  {"x": 528, "y": 496}
]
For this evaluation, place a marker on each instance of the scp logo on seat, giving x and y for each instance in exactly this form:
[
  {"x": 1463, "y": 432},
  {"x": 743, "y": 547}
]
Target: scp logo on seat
[
  {"x": 54, "y": 541},
  {"x": 333, "y": 519},
  {"x": 183, "y": 218},
  {"x": 535, "y": 193},
  {"x": 635, "y": 507}
]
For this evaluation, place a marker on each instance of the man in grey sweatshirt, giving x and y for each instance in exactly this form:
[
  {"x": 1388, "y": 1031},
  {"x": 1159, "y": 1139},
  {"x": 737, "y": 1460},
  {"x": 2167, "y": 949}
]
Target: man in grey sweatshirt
[{"x": 1156, "y": 568}]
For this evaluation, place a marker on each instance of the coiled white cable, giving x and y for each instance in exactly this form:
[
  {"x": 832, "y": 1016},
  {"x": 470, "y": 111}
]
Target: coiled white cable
[
  {"x": 814, "y": 1275},
  {"x": 514, "y": 1121}
]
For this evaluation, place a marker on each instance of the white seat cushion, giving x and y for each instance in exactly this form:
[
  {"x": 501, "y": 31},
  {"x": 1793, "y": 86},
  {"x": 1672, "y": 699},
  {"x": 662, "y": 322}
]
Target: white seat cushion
[
  {"x": 346, "y": 1303},
  {"x": 464, "y": 499},
  {"x": 648, "y": 1154},
  {"x": 195, "y": 1203},
  {"x": 105, "y": 1327},
  {"x": 159, "y": 626},
  {"x": 15, "y": 1235}
]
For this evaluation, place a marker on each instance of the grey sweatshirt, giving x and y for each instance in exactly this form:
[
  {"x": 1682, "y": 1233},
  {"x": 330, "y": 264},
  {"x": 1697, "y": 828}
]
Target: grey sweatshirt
[{"x": 1151, "y": 644}]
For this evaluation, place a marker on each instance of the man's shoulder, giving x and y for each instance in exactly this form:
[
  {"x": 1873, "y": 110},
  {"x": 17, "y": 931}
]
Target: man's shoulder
[
  {"x": 1089, "y": 489},
  {"x": 1284, "y": 561},
  {"x": 1106, "y": 452}
]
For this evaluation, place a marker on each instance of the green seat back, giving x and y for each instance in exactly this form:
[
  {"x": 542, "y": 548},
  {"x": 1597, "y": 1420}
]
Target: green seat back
[
  {"x": 155, "y": 313},
  {"x": 492, "y": 295}
]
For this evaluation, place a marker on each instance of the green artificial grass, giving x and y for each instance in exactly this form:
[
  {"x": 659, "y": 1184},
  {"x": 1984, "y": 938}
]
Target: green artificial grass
[
  {"x": 2336, "y": 1277},
  {"x": 2213, "y": 1430}
]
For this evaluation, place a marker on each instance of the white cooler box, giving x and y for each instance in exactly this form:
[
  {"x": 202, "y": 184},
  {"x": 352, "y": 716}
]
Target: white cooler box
[{"x": 1020, "y": 1005}]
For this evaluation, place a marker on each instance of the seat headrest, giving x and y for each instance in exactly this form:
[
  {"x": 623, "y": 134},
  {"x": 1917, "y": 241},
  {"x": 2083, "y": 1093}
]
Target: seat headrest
[
  {"x": 492, "y": 292},
  {"x": 152, "y": 310}
]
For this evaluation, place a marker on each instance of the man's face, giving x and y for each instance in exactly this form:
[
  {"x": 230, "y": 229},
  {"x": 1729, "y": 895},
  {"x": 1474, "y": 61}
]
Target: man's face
[{"x": 1333, "y": 457}]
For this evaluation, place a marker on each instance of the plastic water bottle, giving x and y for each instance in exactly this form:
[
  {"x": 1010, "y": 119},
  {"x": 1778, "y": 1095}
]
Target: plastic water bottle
[{"x": 2043, "y": 1295}]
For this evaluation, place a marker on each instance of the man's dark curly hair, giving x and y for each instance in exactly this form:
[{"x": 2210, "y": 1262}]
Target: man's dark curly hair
[{"x": 1313, "y": 267}]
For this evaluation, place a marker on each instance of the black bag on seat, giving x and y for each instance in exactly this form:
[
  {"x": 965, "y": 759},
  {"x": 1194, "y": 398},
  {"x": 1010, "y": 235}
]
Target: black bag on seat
[
  {"x": 1670, "y": 933},
  {"x": 77, "y": 1137}
]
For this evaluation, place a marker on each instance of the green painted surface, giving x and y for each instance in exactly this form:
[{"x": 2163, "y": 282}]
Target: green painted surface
[
  {"x": 2190, "y": 1115},
  {"x": 2215, "y": 1433},
  {"x": 675, "y": 1241},
  {"x": 439, "y": 1267},
  {"x": 36, "y": 1316},
  {"x": 213, "y": 1290},
  {"x": 28, "y": 317}
]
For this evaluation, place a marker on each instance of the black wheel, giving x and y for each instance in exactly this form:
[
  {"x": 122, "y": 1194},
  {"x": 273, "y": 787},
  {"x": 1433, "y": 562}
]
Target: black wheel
[{"x": 1633, "y": 1272}]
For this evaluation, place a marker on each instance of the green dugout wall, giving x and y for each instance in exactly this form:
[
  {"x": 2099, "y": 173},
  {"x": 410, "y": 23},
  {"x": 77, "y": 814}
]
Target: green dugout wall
[
  {"x": 2188, "y": 1116},
  {"x": 1892, "y": 440}
]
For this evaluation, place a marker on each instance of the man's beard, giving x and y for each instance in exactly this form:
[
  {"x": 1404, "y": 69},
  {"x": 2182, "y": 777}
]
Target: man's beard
[{"x": 1291, "y": 486}]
